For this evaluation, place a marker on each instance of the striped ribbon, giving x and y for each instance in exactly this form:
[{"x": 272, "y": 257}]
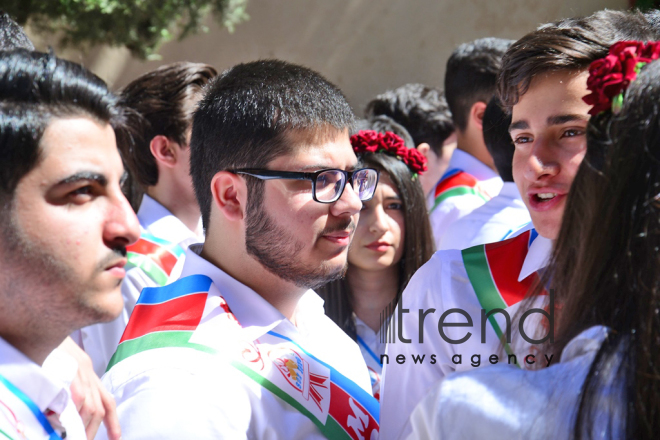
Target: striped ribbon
[
  {"x": 169, "y": 316},
  {"x": 154, "y": 256},
  {"x": 493, "y": 270},
  {"x": 454, "y": 183}
]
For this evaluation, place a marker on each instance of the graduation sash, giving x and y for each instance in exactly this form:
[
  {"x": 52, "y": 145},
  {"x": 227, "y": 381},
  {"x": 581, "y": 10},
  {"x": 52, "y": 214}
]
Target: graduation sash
[
  {"x": 457, "y": 182},
  {"x": 170, "y": 316},
  {"x": 493, "y": 270},
  {"x": 22, "y": 412},
  {"x": 155, "y": 256}
]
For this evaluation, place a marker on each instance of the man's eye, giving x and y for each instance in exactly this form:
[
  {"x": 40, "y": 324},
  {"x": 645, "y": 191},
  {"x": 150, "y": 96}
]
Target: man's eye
[
  {"x": 82, "y": 191},
  {"x": 572, "y": 133},
  {"x": 522, "y": 140}
]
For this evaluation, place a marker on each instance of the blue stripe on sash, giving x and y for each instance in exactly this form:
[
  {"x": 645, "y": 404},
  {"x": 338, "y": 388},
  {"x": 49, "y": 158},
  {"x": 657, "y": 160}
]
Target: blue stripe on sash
[
  {"x": 366, "y": 347},
  {"x": 181, "y": 287}
]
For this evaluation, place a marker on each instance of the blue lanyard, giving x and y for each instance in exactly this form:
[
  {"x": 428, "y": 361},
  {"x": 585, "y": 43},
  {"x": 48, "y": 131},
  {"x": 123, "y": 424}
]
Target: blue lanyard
[
  {"x": 41, "y": 417},
  {"x": 366, "y": 347}
]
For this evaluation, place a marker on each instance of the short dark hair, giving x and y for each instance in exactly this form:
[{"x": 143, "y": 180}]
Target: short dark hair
[
  {"x": 34, "y": 89},
  {"x": 249, "y": 116},
  {"x": 383, "y": 124},
  {"x": 422, "y": 110},
  {"x": 497, "y": 138},
  {"x": 12, "y": 35},
  {"x": 571, "y": 44},
  {"x": 471, "y": 76},
  {"x": 164, "y": 100}
]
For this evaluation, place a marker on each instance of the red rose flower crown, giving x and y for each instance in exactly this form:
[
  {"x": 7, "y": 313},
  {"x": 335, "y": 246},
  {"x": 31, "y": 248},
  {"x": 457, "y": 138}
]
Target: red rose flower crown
[
  {"x": 370, "y": 141},
  {"x": 609, "y": 77}
]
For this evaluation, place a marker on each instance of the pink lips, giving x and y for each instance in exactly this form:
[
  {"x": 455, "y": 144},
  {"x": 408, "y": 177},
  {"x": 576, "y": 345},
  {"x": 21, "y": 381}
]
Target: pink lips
[
  {"x": 117, "y": 269},
  {"x": 540, "y": 205},
  {"x": 342, "y": 238},
  {"x": 379, "y": 246}
]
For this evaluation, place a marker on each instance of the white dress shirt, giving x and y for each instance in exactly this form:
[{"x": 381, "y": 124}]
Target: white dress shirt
[
  {"x": 510, "y": 403},
  {"x": 100, "y": 340},
  {"x": 496, "y": 220},
  {"x": 439, "y": 285},
  {"x": 46, "y": 387},
  {"x": 178, "y": 393},
  {"x": 456, "y": 207},
  {"x": 372, "y": 347}
]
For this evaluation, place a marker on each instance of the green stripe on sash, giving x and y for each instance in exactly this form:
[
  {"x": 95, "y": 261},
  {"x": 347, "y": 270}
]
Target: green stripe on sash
[
  {"x": 457, "y": 191},
  {"x": 155, "y": 340},
  {"x": 478, "y": 271},
  {"x": 148, "y": 266},
  {"x": 6, "y": 435},
  {"x": 332, "y": 430}
]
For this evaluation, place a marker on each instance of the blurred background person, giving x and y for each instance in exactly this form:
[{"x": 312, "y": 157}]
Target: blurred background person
[
  {"x": 392, "y": 240},
  {"x": 161, "y": 103},
  {"x": 506, "y": 213}
]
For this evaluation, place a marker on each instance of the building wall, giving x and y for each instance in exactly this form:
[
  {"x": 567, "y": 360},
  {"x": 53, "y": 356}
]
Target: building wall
[{"x": 364, "y": 46}]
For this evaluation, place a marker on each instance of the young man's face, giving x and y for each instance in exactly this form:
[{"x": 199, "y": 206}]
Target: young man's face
[
  {"x": 298, "y": 239},
  {"x": 70, "y": 223},
  {"x": 548, "y": 128}
]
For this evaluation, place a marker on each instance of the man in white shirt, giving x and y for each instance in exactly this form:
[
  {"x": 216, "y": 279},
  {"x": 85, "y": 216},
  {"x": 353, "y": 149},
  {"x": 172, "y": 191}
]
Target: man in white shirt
[
  {"x": 460, "y": 302},
  {"x": 471, "y": 179},
  {"x": 506, "y": 213},
  {"x": 65, "y": 225},
  {"x": 159, "y": 161},
  {"x": 239, "y": 346}
]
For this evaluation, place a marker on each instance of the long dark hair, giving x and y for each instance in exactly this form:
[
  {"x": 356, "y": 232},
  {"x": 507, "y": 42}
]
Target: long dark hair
[
  {"x": 418, "y": 240},
  {"x": 605, "y": 267}
]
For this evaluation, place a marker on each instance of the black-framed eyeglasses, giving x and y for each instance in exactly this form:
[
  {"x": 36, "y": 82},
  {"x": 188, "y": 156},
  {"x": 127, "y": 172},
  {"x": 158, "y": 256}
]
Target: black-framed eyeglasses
[{"x": 327, "y": 185}]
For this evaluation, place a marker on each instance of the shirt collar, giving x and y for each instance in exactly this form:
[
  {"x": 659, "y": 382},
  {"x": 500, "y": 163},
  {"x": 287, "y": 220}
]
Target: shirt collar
[
  {"x": 159, "y": 221},
  {"x": 510, "y": 191},
  {"x": 256, "y": 315},
  {"x": 537, "y": 257},
  {"x": 32, "y": 379},
  {"x": 471, "y": 165}
]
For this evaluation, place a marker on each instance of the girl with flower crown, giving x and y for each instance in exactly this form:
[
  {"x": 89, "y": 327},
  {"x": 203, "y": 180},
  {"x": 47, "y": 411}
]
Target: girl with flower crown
[
  {"x": 392, "y": 240},
  {"x": 605, "y": 274}
]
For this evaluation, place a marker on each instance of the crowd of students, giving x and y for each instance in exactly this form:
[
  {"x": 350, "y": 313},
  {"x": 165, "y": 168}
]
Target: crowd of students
[{"x": 238, "y": 256}]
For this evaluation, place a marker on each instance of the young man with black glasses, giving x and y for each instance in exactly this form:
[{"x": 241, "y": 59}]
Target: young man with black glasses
[{"x": 239, "y": 346}]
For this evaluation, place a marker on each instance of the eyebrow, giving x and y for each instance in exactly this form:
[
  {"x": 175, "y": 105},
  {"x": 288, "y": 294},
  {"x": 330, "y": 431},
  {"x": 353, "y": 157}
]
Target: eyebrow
[
  {"x": 84, "y": 175},
  {"x": 522, "y": 124}
]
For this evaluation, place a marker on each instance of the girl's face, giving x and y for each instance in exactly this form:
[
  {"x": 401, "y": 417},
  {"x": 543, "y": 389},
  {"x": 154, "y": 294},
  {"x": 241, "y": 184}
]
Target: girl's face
[{"x": 379, "y": 236}]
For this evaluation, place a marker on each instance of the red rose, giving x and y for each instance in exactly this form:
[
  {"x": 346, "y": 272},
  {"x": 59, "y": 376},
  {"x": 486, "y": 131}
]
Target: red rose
[
  {"x": 366, "y": 141},
  {"x": 415, "y": 161},
  {"x": 393, "y": 144},
  {"x": 610, "y": 76}
]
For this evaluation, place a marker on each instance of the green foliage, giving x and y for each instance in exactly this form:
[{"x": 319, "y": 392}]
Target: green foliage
[{"x": 140, "y": 25}]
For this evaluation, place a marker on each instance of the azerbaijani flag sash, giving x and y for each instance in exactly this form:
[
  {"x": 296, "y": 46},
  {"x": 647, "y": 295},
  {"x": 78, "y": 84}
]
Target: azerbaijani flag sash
[
  {"x": 155, "y": 256},
  {"x": 457, "y": 182},
  {"x": 173, "y": 315},
  {"x": 493, "y": 270},
  {"x": 23, "y": 409}
]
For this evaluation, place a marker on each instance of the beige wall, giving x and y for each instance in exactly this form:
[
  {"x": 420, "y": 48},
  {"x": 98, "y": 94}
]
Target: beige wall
[{"x": 364, "y": 46}]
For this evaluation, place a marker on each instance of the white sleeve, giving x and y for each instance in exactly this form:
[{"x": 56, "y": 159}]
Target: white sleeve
[
  {"x": 447, "y": 213},
  {"x": 175, "y": 404},
  {"x": 404, "y": 384}
]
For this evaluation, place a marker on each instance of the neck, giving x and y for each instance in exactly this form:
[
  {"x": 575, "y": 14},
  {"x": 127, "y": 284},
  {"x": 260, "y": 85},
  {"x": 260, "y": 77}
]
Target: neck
[
  {"x": 281, "y": 294},
  {"x": 473, "y": 144},
  {"x": 183, "y": 208},
  {"x": 372, "y": 291}
]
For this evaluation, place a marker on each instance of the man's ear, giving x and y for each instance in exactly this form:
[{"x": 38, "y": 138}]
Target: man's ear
[
  {"x": 477, "y": 114},
  {"x": 229, "y": 194},
  {"x": 424, "y": 148},
  {"x": 164, "y": 151}
]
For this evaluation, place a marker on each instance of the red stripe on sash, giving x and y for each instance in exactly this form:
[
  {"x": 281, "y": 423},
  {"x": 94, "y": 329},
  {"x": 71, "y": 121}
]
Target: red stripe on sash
[
  {"x": 182, "y": 313},
  {"x": 159, "y": 254},
  {"x": 506, "y": 259},
  {"x": 352, "y": 417},
  {"x": 459, "y": 179}
]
